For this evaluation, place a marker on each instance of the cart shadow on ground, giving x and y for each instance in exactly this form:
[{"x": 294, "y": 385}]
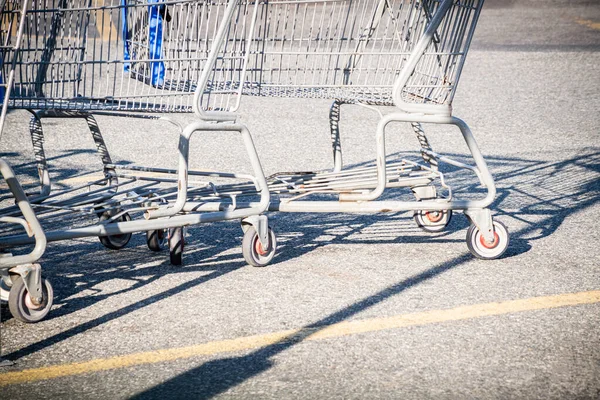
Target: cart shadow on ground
[
  {"x": 548, "y": 193},
  {"x": 536, "y": 195}
]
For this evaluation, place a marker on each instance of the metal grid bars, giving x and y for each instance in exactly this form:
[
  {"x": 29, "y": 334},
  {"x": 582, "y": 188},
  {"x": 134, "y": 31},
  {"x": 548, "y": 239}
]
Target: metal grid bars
[
  {"x": 349, "y": 50},
  {"x": 49, "y": 61},
  {"x": 150, "y": 55},
  {"x": 355, "y": 51},
  {"x": 223, "y": 82},
  {"x": 121, "y": 55},
  {"x": 436, "y": 74}
]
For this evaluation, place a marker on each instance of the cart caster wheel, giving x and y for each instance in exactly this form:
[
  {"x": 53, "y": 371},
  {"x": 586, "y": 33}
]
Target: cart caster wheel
[
  {"x": 156, "y": 240},
  {"x": 115, "y": 242},
  {"x": 23, "y": 308},
  {"x": 433, "y": 221},
  {"x": 254, "y": 252},
  {"x": 485, "y": 250},
  {"x": 176, "y": 245}
]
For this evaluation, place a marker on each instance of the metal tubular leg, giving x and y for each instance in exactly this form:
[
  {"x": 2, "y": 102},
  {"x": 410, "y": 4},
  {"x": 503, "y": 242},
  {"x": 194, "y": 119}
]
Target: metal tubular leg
[
  {"x": 30, "y": 218},
  {"x": 260, "y": 224},
  {"x": 217, "y": 42},
  {"x": 414, "y": 58},
  {"x": 184, "y": 150},
  {"x": 381, "y": 167},
  {"x": 484, "y": 174},
  {"x": 11, "y": 72},
  {"x": 334, "y": 124}
]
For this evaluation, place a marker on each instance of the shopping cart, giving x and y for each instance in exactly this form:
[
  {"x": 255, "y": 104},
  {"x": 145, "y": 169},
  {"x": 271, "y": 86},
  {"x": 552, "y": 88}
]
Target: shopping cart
[
  {"x": 79, "y": 57},
  {"x": 29, "y": 293},
  {"x": 408, "y": 54}
]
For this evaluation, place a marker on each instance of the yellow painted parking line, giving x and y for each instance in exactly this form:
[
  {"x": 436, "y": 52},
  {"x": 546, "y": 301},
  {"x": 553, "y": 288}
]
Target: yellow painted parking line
[
  {"x": 589, "y": 23},
  {"x": 331, "y": 331}
]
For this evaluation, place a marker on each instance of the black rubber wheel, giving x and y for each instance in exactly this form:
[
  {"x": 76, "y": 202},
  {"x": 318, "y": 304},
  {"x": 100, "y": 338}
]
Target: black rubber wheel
[
  {"x": 485, "y": 250},
  {"x": 176, "y": 245},
  {"x": 433, "y": 221},
  {"x": 254, "y": 252},
  {"x": 156, "y": 240},
  {"x": 115, "y": 242},
  {"x": 22, "y": 307}
]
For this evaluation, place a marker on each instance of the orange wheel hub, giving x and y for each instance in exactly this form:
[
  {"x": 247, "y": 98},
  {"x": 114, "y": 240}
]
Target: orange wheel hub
[
  {"x": 258, "y": 247},
  {"x": 492, "y": 244},
  {"x": 434, "y": 216}
]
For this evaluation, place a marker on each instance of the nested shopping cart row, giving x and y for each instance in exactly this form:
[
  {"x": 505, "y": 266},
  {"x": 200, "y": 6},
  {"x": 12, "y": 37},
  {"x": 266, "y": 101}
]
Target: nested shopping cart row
[{"x": 148, "y": 58}]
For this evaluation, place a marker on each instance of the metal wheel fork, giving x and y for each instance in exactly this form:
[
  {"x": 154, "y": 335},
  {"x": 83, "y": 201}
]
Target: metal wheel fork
[
  {"x": 261, "y": 224},
  {"x": 482, "y": 219},
  {"x": 32, "y": 277}
]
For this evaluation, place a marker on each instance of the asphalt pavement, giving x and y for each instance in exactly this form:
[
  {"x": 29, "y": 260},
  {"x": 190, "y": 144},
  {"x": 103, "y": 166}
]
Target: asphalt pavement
[{"x": 353, "y": 306}]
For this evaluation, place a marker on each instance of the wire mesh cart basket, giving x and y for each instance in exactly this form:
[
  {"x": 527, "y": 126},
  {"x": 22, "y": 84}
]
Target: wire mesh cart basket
[{"x": 151, "y": 57}]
